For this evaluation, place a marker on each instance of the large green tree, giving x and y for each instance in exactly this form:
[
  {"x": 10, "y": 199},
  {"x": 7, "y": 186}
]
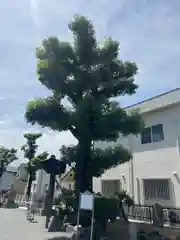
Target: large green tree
[
  {"x": 7, "y": 156},
  {"x": 89, "y": 77},
  {"x": 30, "y": 149}
]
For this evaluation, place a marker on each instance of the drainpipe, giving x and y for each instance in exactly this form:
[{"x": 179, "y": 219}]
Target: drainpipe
[
  {"x": 178, "y": 135},
  {"x": 131, "y": 169}
]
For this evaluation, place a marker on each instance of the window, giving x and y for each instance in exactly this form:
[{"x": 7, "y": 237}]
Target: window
[
  {"x": 146, "y": 135},
  {"x": 152, "y": 134},
  {"x": 156, "y": 189},
  {"x": 110, "y": 187},
  {"x": 157, "y": 133}
]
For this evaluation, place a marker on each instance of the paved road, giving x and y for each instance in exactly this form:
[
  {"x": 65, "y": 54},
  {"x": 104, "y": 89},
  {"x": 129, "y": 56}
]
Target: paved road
[{"x": 14, "y": 226}]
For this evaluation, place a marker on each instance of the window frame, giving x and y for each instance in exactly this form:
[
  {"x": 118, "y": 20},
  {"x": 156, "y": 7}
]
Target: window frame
[
  {"x": 143, "y": 141},
  {"x": 160, "y": 133},
  {"x": 152, "y": 138},
  {"x": 156, "y": 184}
]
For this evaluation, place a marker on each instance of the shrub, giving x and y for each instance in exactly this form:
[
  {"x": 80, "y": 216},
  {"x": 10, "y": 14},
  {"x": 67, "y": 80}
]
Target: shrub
[{"x": 104, "y": 208}]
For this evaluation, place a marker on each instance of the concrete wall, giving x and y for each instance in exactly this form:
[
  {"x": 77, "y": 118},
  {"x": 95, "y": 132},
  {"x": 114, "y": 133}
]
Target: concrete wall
[
  {"x": 19, "y": 186},
  {"x": 153, "y": 160},
  {"x": 124, "y": 229},
  {"x": 22, "y": 173},
  {"x": 40, "y": 185}
]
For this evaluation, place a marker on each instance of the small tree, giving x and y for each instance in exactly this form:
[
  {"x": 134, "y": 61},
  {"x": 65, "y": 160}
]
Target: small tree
[
  {"x": 7, "y": 156},
  {"x": 29, "y": 150},
  {"x": 90, "y": 77}
]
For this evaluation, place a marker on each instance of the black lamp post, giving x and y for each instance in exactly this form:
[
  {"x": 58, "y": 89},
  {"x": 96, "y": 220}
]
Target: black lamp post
[{"x": 53, "y": 167}]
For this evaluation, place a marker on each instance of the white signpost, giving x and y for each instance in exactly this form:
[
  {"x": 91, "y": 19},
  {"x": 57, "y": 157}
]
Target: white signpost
[{"x": 86, "y": 203}]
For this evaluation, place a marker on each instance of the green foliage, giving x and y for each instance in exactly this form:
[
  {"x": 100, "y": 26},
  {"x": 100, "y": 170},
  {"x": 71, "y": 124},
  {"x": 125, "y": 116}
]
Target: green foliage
[
  {"x": 123, "y": 196},
  {"x": 40, "y": 158},
  {"x": 101, "y": 159},
  {"x": 91, "y": 78},
  {"x": 7, "y": 156},
  {"x": 34, "y": 165},
  {"x": 105, "y": 208},
  {"x": 30, "y": 147},
  {"x": 29, "y": 150}
]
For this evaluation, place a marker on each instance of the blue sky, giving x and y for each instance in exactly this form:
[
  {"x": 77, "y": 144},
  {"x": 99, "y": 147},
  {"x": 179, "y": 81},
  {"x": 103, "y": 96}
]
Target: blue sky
[{"x": 148, "y": 31}]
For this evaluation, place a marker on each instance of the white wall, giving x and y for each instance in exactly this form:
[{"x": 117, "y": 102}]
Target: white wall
[
  {"x": 67, "y": 184},
  {"x": 121, "y": 172},
  {"x": 22, "y": 173},
  {"x": 41, "y": 184},
  {"x": 153, "y": 160}
]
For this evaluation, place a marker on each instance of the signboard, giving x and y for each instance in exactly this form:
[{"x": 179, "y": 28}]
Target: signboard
[{"x": 86, "y": 201}]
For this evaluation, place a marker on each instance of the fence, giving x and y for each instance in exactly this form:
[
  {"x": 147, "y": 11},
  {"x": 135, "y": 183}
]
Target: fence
[
  {"x": 171, "y": 216},
  {"x": 20, "y": 200},
  {"x": 141, "y": 213}
]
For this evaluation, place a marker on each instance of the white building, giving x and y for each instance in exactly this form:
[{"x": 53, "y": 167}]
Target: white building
[
  {"x": 8, "y": 178},
  {"x": 41, "y": 184},
  {"x": 154, "y": 173}
]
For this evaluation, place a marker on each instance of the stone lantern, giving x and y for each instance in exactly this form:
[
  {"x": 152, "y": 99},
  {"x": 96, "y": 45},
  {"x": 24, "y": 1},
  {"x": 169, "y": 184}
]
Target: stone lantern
[{"x": 53, "y": 167}]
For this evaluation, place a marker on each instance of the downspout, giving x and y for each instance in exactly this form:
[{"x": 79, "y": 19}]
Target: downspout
[
  {"x": 178, "y": 136},
  {"x": 131, "y": 170}
]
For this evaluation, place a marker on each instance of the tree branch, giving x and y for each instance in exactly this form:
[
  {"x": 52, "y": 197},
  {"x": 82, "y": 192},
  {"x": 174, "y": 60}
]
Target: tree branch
[{"x": 48, "y": 113}]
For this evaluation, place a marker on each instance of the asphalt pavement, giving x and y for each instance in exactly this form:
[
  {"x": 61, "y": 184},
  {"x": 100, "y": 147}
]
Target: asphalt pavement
[{"x": 14, "y": 226}]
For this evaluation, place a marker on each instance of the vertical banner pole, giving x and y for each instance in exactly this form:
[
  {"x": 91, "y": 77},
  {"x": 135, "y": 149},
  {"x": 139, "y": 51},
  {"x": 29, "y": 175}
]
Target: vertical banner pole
[
  {"x": 86, "y": 202},
  {"x": 92, "y": 221},
  {"x": 78, "y": 216}
]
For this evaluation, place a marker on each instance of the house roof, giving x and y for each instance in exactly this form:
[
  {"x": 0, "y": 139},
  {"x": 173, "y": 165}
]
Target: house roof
[
  {"x": 66, "y": 175},
  {"x": 157, "y": 102}
]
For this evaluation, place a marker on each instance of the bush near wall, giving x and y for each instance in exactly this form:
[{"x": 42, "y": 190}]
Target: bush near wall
[{"x": 104, "y": 209}]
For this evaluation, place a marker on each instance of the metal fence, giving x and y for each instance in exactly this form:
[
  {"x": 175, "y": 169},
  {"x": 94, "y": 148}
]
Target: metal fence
[
  {"x": 141, "y": 213},
  {"x": 171, "y": 216}
]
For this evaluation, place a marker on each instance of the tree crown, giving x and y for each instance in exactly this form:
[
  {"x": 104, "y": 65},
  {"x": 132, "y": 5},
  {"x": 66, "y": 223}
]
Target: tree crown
[
  {"x": 87, "y": 75},
  {"x": 30, "y": 147},
  {"x": 7, "y": 156}
]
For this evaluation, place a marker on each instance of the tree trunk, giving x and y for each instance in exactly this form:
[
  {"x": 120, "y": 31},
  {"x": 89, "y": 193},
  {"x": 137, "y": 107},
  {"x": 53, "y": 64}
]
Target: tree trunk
[
  {"x": 2, "y": 169},
  {"x": 83, "y": 180},
  {"x": 28, "y": 193}
]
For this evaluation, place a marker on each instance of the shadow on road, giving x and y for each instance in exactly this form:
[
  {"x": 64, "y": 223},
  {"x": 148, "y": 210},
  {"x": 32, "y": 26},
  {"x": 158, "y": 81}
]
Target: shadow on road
[{"x": 33, "y": 221}]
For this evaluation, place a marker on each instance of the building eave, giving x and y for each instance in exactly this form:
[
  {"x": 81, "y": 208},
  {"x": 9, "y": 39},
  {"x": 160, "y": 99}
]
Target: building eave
[{"x": 164, "y": 100}]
